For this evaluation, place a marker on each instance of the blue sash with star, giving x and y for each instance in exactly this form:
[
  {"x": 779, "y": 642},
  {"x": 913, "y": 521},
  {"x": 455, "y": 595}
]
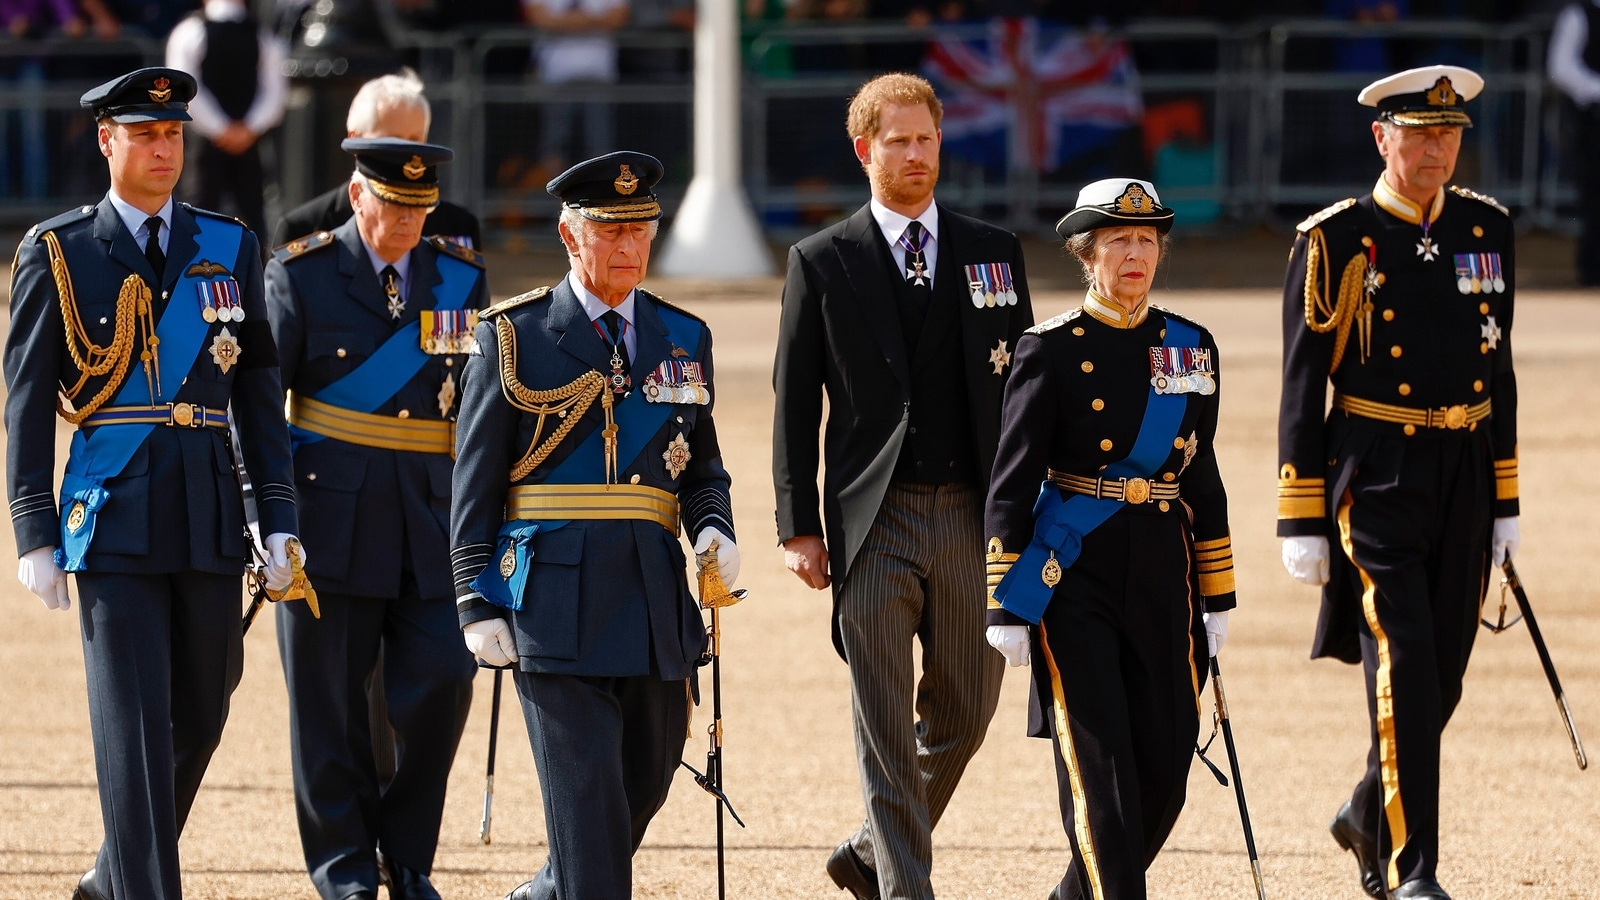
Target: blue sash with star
[
  {"x": 638, "y": 420},
  {"x": 1061, "y": 524},
  {"x": 401, "y": 357},
  {"x": 106, "y": 449}
]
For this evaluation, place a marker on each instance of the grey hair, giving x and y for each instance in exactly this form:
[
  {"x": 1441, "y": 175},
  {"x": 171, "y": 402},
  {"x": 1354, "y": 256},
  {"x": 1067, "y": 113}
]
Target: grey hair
[
  {"x": 382, "y": 94},
  {"x": 578, "y": 226},
  {"x": 1081, "y": 245}
]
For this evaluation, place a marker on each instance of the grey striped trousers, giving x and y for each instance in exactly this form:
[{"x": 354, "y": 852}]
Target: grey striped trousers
[{"x": 919, "y": 575}]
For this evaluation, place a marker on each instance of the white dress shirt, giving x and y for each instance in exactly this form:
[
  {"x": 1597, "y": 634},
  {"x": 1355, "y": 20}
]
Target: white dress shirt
[
  {"x": 893, "y": 225},
  {"x": 594, "y": 308},
  {"x": 186, "y": 47},
  {"x": 134, "y": 218},
  {"x": 1567, "y": 68}
]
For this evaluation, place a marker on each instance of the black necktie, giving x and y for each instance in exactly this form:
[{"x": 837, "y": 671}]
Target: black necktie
[
  {"x": 390, "y": 277},
  {"x": 152, "y": 247},
  {"x": 616, "y": 327}
]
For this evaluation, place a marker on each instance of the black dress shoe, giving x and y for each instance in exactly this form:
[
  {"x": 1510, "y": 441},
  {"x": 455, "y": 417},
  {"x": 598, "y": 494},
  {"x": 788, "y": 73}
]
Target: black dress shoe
[
  {"x": 405, "y": 884},
  {"x": 523, "y": 891},
  {"x": 1347, "y": 832},
  {"x": 1420, "y": 889},
  {"x": 88, "y": 889},
  {"x": 851, "y": 873},
  {"x": 362, "y": 895}
]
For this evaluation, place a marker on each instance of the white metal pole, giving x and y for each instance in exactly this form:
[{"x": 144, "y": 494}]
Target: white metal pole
[{"x": 715, "y": 233}]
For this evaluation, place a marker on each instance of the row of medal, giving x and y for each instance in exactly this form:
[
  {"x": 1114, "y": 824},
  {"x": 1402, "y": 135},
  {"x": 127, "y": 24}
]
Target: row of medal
[
  {"x": 219, "y": 301},
  {"x": 1182, "y": 370},
  {"x": 991, "y": 285},
  {"x": 677, "y": 381},
  {"x": 1479, "y": 273},
  {"x": 448, "y": 331}
]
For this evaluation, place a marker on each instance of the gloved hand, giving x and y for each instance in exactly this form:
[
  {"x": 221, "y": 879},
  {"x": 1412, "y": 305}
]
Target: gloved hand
[
  {"x": 1506, "y": 539},
  {"x": 1216, "y": 624},
  {"x": 1306, "y": 558},
  {"x": 279, "y": 573},
  {"x": 38, "y": 573},
  {"x": 727, "y": 553},
  {"x": 1011, "y": 641},
  {"x": 490, "y": 640}
]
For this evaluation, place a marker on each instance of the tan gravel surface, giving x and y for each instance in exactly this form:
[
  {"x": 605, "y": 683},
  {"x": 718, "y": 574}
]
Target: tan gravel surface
[{"x": 1520, "y": 820}]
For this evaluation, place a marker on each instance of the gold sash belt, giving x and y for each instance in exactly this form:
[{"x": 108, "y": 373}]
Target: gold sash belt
[
  {"x": 594, "y": 501},
  {"x": 1128, "y": 490},
  {"x": 368, "y": 430},
  {"x": 1451, "y": 418}
]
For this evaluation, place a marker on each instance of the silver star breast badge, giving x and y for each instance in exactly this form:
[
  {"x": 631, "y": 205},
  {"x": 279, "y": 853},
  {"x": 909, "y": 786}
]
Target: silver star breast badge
[
  {"x": 397, "y": 307},
  {"x": 1001, "y": 357},
  {"x": 1427, "y": 249},
  {"x": 1491, "y": 333}
]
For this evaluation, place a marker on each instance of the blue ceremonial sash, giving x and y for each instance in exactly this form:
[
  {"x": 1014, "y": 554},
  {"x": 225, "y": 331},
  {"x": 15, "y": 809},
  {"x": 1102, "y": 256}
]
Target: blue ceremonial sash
[
  {"x": 401, "y": 357},
  {"x": 637, "y": 420},
  {"x": 106, "y": 452},
  {"x": 1061, "y": 524}
]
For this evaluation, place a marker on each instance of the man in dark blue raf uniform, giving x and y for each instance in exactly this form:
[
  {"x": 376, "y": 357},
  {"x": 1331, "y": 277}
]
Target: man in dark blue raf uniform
[
  {"x": 373, "y": 322},
  {"x": 585, "y": 439},
  {"x": 1403, "y": 299},
  {"x": 142, "y": 322}
]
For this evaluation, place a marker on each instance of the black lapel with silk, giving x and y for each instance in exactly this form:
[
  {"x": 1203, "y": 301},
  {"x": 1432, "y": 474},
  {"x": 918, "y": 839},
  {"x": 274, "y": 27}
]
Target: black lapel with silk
[{"x": 875, "y": 296}]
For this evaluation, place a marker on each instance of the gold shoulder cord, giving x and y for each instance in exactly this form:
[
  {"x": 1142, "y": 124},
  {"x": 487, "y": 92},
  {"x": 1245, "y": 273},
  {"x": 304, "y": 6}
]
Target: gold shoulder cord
[
  {"x": 1349, "y": 308},
  {"x": 92, "y": 360},
  {"x": 569, "y": 402}
]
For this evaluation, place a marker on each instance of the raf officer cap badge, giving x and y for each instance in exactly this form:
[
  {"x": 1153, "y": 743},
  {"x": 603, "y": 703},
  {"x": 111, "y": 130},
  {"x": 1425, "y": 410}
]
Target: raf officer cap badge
[
  {"x": 611, "y": 188},
  {"x": 146, "y": 95},
  {"x": 1115, "y": 201},
  {"x": 400, "y": 171},
  {"x": 1431, "y": 95}
]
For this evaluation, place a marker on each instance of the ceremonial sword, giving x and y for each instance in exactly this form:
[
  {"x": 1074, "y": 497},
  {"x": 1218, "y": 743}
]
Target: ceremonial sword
[
  {"x": 488, "y": 780},
  {"x": 1514, "y": 583},
  {"x": 1222, "y": 721}
]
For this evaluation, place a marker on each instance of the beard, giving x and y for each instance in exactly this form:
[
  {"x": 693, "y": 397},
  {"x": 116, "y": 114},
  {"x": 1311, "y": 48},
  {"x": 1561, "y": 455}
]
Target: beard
[{"x": 895, "y": 189}]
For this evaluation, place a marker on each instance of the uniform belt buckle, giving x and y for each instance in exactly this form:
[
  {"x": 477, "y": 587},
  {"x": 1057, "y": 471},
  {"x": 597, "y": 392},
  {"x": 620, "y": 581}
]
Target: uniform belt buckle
[
  {"x": 186, "y": 415},
  {"x": 1135, "y": 490},
  {"x": 1455, "y": 417}
]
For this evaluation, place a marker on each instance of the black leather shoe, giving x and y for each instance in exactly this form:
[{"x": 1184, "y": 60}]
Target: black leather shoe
[
  {"x": 1420, "y": 889},
  {"x": 851, "y": 873},
  {"x": 404, "y": 884},
  {"x": 1347, "y": 832},
  {"x": 362, "y": 895},
  {"x": 523, "y": 891},
  {"x": 88, "y": 889}
]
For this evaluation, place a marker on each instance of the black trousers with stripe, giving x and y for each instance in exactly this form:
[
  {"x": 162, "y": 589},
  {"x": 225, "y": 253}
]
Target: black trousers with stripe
[
  {"x": 1414, "y": 524},
  {"x": 1117, "y": 675}
]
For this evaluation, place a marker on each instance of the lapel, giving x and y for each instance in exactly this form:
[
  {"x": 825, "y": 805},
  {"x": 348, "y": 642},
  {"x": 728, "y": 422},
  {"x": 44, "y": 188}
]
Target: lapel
[
  {"x": 857, "y": 246},
  {"x": 578, "y": 336},
  {"x": 108, "y": 227},
  {"x": 653, "y": 345},
  {"x": 181, "y": 247},
  {"x": 949, "y": 294},
  {"x": 360, "y": 281}
]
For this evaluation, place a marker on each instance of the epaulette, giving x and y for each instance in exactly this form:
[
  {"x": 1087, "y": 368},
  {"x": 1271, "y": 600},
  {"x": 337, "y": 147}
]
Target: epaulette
[
  {"x": 1182, "y": 318},
  {"x": 672, "y": 306},
  {"x": 1317, "y": 218},
  {"x": 301, "y": 246},
  {"x": 489, "y": 312},
  {"x": 465, "y": 254},
  {"x": 1056, "y": 322},
  {"x": 76, "y": 214},
  {"x": 199, "y": 211},
  {"x": 1481, "y": 198}
]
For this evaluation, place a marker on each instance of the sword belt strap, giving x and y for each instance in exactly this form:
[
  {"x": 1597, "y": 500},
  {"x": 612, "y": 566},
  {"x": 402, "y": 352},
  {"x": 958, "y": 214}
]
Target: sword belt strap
[
  {"x": 594, "y": 501},
  {"x": 370, "y": 430},
  {"x": 1127, "y": 490},
  {"x": 175, "y": 415},
  {"x": 1451, "y": 418}
]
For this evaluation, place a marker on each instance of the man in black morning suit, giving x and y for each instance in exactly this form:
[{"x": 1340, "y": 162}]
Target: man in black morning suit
[
  {"x": 1403, "y": 299},
  {"x": 564, "y": 541},
  {"x": 151, "y": 517},
  {"x": 913, "y": 373},
  {"x": 373, "y": 323}
]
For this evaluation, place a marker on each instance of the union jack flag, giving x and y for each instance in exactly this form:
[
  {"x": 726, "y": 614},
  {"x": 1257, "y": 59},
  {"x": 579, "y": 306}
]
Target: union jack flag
[{"x": 1042, "y": 97}]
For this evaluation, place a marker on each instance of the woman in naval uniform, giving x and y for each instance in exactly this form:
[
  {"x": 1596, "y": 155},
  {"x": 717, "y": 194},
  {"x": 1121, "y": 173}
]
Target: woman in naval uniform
[{"x": 1110, "y": 564}]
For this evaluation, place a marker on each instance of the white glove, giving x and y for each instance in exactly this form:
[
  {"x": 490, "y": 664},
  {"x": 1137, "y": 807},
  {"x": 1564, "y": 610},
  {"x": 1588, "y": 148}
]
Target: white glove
[
  {"x": 1216, "y": 624},
  {"x": 1011, "y": 641},
  {"x": 38, "y": 573},
  {"x": 279, "y": 573},
  {"x": 1507, "y": 538},
  {"x": 727, "y": 553},
  {"x": 490, "y": 640},
  {"x": 1306, "y": 558}
]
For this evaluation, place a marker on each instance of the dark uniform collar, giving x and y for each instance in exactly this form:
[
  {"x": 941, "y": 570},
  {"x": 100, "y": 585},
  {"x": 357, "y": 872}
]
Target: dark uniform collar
[
  {"x": 1111, "y": 312},
  {"x": 1390, "y": 201}
]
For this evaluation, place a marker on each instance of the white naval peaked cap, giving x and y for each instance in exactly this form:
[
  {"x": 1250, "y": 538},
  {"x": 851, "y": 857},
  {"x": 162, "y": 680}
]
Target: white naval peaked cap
[
  {"x": 1115, "y": 201},
  {"x": 1431, "y": 95}
]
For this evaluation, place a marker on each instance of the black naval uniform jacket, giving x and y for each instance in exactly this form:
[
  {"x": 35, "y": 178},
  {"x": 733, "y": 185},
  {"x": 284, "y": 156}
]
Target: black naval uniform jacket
[
  {"x": 606, "y": 597},
  {"x": 1075, "y": 405},
  {"x": 1430, "y": 334},
  {"x": 329, "y": 314},
  {"x": 841, "y": 333},
  {"x": 328, "y": 211},
  {"x": 177, "y": 505}
]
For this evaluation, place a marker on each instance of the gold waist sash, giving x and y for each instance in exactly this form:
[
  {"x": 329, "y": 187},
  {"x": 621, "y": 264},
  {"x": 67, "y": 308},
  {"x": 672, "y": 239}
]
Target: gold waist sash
[
  {"x": 1451, "y": 418},
  {"x": 594, "y": 501},
  {"x": 368, "y": 430},
  {"x": 1128, "y": 490}
]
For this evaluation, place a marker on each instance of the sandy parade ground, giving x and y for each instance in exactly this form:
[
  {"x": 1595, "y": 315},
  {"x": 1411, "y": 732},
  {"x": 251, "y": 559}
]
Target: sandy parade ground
[{"x": 1519, "y": 819}]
